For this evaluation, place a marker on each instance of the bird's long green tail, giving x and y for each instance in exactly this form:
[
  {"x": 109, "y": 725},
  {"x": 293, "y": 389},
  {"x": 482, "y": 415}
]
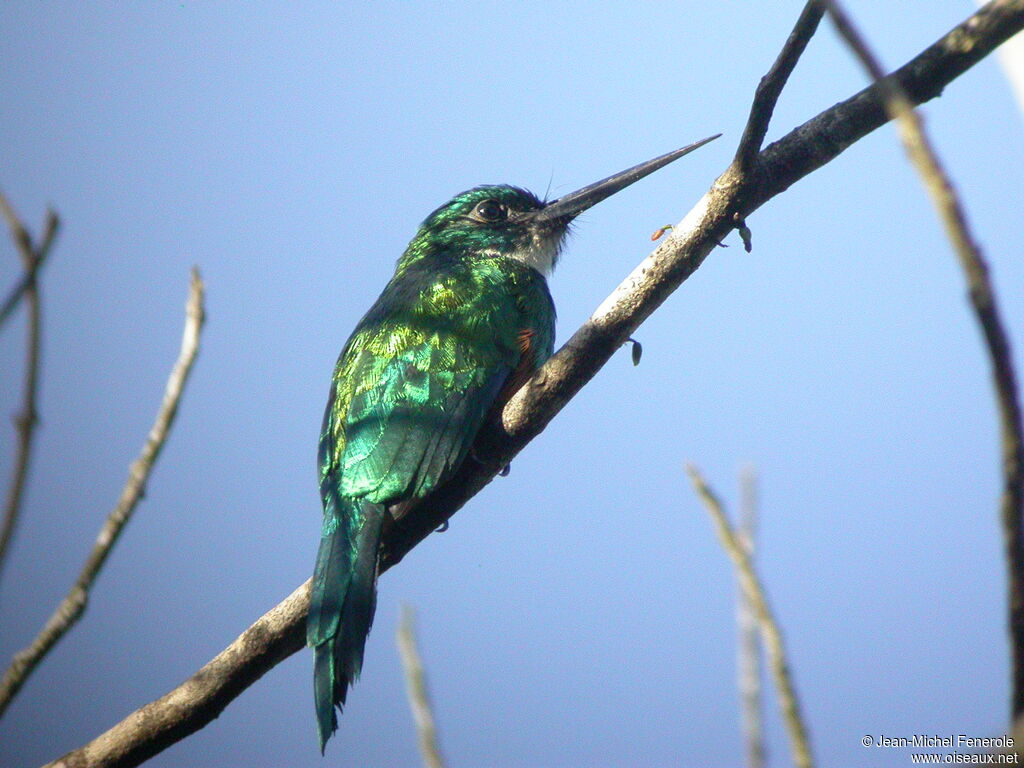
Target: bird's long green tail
[{"x": 342, "y": 602}]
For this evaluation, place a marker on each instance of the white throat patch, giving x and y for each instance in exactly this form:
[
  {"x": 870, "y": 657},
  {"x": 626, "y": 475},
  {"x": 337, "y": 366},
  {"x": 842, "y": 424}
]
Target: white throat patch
[{"x": 541, "y": 253}]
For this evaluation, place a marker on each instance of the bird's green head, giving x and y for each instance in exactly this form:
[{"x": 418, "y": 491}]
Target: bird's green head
[
  {"x": 506, "y": 221},
  {"x": 491, "y": 221}
]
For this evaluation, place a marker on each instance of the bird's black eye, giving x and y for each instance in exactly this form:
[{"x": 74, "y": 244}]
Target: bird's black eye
[{"x": 490, "y": 210}]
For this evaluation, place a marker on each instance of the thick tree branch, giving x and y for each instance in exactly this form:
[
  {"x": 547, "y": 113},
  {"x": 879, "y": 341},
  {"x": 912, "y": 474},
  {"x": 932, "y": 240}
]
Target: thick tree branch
[
  {"x": 72, "y": 607},
  {"x": 734, "y": 195},
  {"x": 280, "y": 633},
  {"x": 32, "y": 258},
  {"x": 983, "y": 301}
]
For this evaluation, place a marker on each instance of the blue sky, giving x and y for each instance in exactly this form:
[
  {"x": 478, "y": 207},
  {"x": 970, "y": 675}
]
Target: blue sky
[{"x": 579, "y": 611}]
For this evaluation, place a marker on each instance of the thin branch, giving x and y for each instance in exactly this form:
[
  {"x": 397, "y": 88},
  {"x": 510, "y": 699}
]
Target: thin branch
[
  {"x": 72, "y": 607},
  {"x": 19, "y": 290},
  {"x": 416, "y": 690},
  {"x": 771, "y": 635},
  {"x": 770, "y": 88},
  {"x": 201, "y": 698},
  {"x": 749, "y": 662},
  {"x": 986, "y": 310},
  {"x": 32, "y": 258}
]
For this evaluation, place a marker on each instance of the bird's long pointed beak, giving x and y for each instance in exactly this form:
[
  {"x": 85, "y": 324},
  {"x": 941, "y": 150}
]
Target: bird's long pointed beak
[{"x": 571, "y": 205}]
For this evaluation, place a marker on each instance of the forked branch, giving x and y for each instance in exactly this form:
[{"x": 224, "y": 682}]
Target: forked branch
[
  {"x": 770, "y": 88},
  {"x": 32, "y": 258}
]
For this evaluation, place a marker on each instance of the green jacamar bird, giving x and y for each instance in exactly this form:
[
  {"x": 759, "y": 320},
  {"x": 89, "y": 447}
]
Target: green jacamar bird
[{"x": 465, "y": 320}]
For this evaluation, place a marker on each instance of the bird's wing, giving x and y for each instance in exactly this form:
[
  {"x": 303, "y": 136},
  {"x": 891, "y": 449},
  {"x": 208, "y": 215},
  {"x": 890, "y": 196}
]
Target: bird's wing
[{"x": 405, "y": 412}]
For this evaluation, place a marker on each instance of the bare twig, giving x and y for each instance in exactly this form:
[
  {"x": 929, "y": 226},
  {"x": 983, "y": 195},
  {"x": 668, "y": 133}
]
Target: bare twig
[
  {"x": 771, "y": 635},
  {"x": 278, "y": 634},
  {"x": 32, "y": 258},
  {"x": 749, "y": 662},
  {"x": 72, "y": 607},
  {"x": 18, "y": 291},
  {"x": 983, "y": 301},
  {"x": 416, "y": 690},
  {"x": 770, "y": 88}
]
